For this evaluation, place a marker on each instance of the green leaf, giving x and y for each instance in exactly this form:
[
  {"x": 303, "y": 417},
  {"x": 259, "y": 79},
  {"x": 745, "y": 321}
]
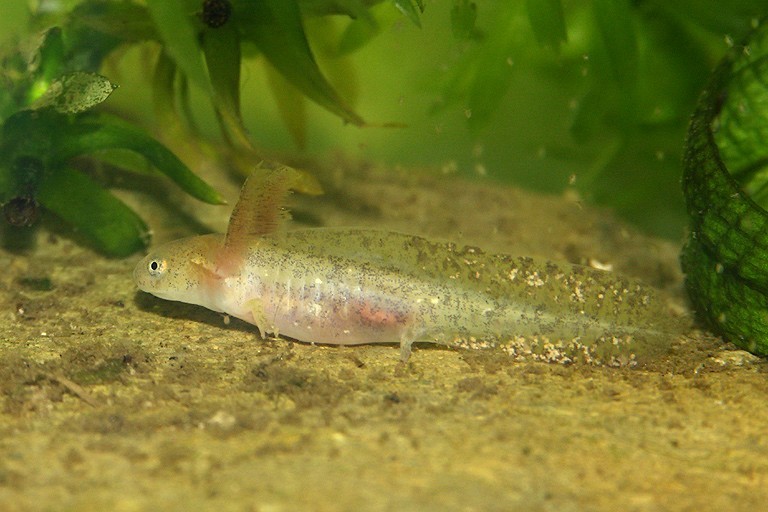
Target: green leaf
[
  {"x": 357, "y": 34},
  {"x": 95, "y": 28},
  {"x": 353, "y": 8},
  {"x": 124, "y": 21},
  {"x": 20, "y": 177},
  {"x": 29, "y": 132},
  {"x": 276, "y": 28},
  {"x": 547, "y": 21},
  {"x": 76, "y": 92},
  {"x": 482, "y": 77},
  {"x": 16, "y": 91},
  {"x": 616, "y": 27},
  {"x": 89, "y": 135},
  {"x": 291, "y": 105},
  {"x": 619, "y": 54},
  {"x": 179, "y": 37},
  {"x": 362, "y": 29},
  {"x": 108, "y": 222},
  {"x": 126, "y": 160},
  {"x": 46, "y": 64},
  {"x": 25, "y": 147},
  {"x": 734, "y": 17},
  {"x": 49, "y": 60},
  {"x": 411, "y": 9},
  {"x": 463, "y": 17},
  {"x": 163, "y": 91},
  {"x": 221, "y": 48}
]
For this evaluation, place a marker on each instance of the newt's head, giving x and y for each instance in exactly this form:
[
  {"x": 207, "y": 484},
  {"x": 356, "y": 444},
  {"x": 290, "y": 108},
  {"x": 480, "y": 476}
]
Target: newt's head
[{"x": 180, "y": 270}]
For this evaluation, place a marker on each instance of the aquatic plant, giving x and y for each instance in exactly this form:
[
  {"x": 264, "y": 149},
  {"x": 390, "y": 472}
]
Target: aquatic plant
[
  {"x": 48, "y": 120},
  {"x": 46, "y": 111},
  {"x": 725, "y": 182},
  {"x": 628, "y": 71}
]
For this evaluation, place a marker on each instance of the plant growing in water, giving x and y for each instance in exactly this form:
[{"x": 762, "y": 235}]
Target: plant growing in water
[
  {"x": 48, "y": 110},
  {"x": 628, "y": 71}
]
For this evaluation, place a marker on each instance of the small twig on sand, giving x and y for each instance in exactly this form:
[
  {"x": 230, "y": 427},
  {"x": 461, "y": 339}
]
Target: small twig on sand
[{"x": 74, "y": 388}]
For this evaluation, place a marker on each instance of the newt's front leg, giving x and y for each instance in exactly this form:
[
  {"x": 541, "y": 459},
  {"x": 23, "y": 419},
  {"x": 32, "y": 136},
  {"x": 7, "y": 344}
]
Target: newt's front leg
[{"x": 256, "y": 307}]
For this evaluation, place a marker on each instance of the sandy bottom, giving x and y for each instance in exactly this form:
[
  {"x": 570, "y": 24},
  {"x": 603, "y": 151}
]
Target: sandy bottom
[{"x": 115, "y": 400}]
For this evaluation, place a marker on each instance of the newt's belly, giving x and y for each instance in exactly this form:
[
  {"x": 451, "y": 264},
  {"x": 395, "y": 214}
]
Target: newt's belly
[{"x": 343, "y": 315}]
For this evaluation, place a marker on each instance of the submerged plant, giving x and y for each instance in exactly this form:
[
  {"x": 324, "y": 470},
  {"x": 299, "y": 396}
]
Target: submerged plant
[
  {"x": 47, "y": 108},
  {"x": 627, "y": 71},
  {"x": 48, "y": 120}
]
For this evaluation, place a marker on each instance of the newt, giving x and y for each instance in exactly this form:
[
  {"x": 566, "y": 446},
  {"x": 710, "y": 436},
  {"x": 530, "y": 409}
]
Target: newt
[{"x": 348, "y": 286}]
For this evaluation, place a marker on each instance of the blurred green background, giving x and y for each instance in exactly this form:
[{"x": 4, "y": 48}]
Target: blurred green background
[{"x": 548, "y": 95}]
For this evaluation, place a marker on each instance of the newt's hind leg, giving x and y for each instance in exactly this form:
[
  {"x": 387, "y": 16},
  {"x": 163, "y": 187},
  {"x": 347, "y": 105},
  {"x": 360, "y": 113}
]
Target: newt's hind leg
[
  {"x": 407, "y": 337},
  {"x": 405, "y": 348}
]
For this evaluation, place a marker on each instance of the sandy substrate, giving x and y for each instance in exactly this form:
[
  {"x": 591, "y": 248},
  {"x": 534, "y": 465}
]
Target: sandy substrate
[{"x": 114, "y": 400}]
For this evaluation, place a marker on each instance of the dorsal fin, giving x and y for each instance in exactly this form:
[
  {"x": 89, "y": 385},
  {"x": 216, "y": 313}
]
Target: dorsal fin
[{"x": 259, "y": 211}]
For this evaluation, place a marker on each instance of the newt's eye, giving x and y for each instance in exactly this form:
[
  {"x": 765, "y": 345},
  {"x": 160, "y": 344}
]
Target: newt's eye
[{"x": 156, "y": 267}]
